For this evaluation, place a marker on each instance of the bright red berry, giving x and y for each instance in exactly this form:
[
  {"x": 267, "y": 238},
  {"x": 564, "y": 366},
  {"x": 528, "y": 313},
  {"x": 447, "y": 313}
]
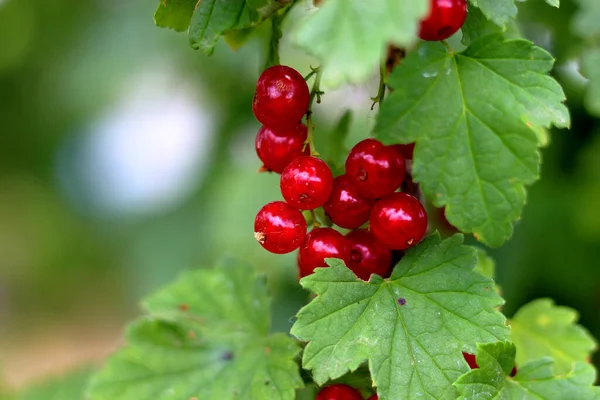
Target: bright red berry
[
  {"x": 470, "y": 359},
  {"x": 377, "y": 170},
  {"x": 346, "y": 207},
  {"x": 339, "y": 392},
  {"x": 398, "y": 221},
  {"x": 319, "y": 244},
  {"x": 407, "y": 150},
  {"x": 279, "y": 227},
  {"x": 281, "y": 97},
  {"x": 306, "y": 183},
  {"x": 444, "y": 20},
  {"x": 367, "y": 256},
  {"x": 276, "y": 148}
]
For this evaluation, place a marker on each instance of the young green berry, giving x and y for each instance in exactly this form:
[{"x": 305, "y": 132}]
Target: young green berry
[
  {"x": 339, "y": 392},
  {"x": 277, "y": 147},
  {"x": 398, "y": 221},
  {"x": 306, "y": 183},
  {"x": 279, "y": 227},
  {"x": 376, "y": 169},
  {"x": 281, "y": 98},
  {"x": 319, "y": 244},
  {"x": 346, "y": 207},
  {"x": 445, "y": 18},
  {"x": 368, "y": 256}
]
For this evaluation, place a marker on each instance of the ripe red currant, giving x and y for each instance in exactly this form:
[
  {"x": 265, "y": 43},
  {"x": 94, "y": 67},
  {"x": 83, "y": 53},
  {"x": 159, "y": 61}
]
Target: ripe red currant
[
  {"x": 470, "y": 359},
  {"x": 398, "y": 221},
  {"x": 319, "y": 244},
  {"x": 339, "y": 392},
  {"x": 367, "y": 256},
  {"x": 346, "y": 207},
  {"x": 306, "y": 183},
  {"x": 276, "y": 148},
  {"x": 377, "y": 170},
  {"x": 282, "y": 97},
  {"x": 374, "y": 397},
  {"x": 407, "y": 150},
  {"x": 444, "y": 20},
  {"x": 279, "y": 227}
]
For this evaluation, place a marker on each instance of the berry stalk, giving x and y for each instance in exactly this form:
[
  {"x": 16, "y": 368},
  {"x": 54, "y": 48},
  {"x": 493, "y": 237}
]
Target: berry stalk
[{"x": 315, "y": 92}]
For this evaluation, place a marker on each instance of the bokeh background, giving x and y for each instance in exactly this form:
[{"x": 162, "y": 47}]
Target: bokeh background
[{"x": 127, "y": 157}]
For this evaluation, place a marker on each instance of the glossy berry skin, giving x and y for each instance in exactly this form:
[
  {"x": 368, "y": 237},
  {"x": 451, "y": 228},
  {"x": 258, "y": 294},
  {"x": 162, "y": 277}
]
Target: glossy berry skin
[
  {"x": 377, "y": 170},
  {"x": 367, "y": 256},
  {"x": 346, "y": 207},
  {"x": 306, "y": 183},
  {"x": 444, "y": 20},
  {"x": 279, "y": 227},
  {"x": 281, "y": 98},
  {"x": 319, "y": 244},
  {"x": 398, "y": 221},
  {"x": 276, "y": 148},
  {"x": 339, "y": 392}
]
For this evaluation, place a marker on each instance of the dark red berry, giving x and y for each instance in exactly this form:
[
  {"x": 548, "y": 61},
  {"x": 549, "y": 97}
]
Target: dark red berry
[
  {"x": 276, "y": 148},
  {"x": 339, "y": 392},
  {"x": 346, "y": 207},
  {"x": 470, "y": 359},
  {"x": 319, "y": 244},
  {"x": 367, "y": 256},
  {"x": 407, "y": 150},
  {"x": 513, "y": 372},
  {"x": 377, "y": 170},
  {"x": 398, "y": 221},
  {"x": 444, "y": 20},
  {"x": 281, "y": 97},
  {"x": 279, "y": 227},
  {"x": 306, "y": 183},
  {"x": 374, "y": 397}
]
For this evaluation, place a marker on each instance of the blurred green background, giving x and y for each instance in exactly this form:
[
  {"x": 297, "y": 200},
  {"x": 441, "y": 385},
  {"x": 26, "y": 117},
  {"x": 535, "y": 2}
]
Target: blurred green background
[{"x": 126, "y": 157}]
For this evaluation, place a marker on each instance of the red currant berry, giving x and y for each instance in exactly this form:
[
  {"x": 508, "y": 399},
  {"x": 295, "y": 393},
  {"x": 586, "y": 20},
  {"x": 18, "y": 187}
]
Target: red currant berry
[
  {"x": 306, "y": 183},
  {"x": 346, "y": 207},
  {"x": 319, "y": 244},
  {"x": 276, "y": 148},
  {"x": 279, "y": 227},
  {"x": 513, "y": 372},
  {"x": 444, "y": 20},
  {"x": 339, "y": 392},
  {"x": 398, "y": 221},
  {"x": 367, "y": 256},
  {"x": 281, "y": 97},
  {"x": 470, "y": 359},
  {"x": 407, "y": 150},
  {"x": 374, "y": 397},
  {"x": 377, "y": 170}
]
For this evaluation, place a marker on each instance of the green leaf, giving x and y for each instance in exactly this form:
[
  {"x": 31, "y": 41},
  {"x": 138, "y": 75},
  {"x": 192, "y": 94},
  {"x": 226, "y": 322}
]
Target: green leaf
[
  {"x": 213, "y": 18},
  {"x": 589, "y": 68},
  {"x": 553, "y": 3},
  {"x": 498, "y": 11},
  {"x": 542, "y": 329},
  {"x": 349, "y": 37},
  {"x": 411, "y": 327},
  {"x": 207, "y": 338},
  {"x": 485, "y": 264},
  {"x": 473, "y": 116},
  {"x": 534, "y": 380},
  {"x": 174, "y": 14},
  {"x": 477, "y": 25}
]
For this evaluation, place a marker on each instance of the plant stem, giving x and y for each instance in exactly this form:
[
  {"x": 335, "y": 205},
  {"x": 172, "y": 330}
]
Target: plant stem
[
  {"x": 276, "y": 35},
  {"x": 314, "y": 93},
  {"x": 382, "y": 85}
]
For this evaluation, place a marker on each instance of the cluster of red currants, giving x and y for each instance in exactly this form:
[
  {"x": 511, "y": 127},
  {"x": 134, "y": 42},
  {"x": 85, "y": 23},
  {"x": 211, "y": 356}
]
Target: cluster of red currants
[
  {"x": 341, "y": 392},
  {"x": 366, "y": 193}
]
